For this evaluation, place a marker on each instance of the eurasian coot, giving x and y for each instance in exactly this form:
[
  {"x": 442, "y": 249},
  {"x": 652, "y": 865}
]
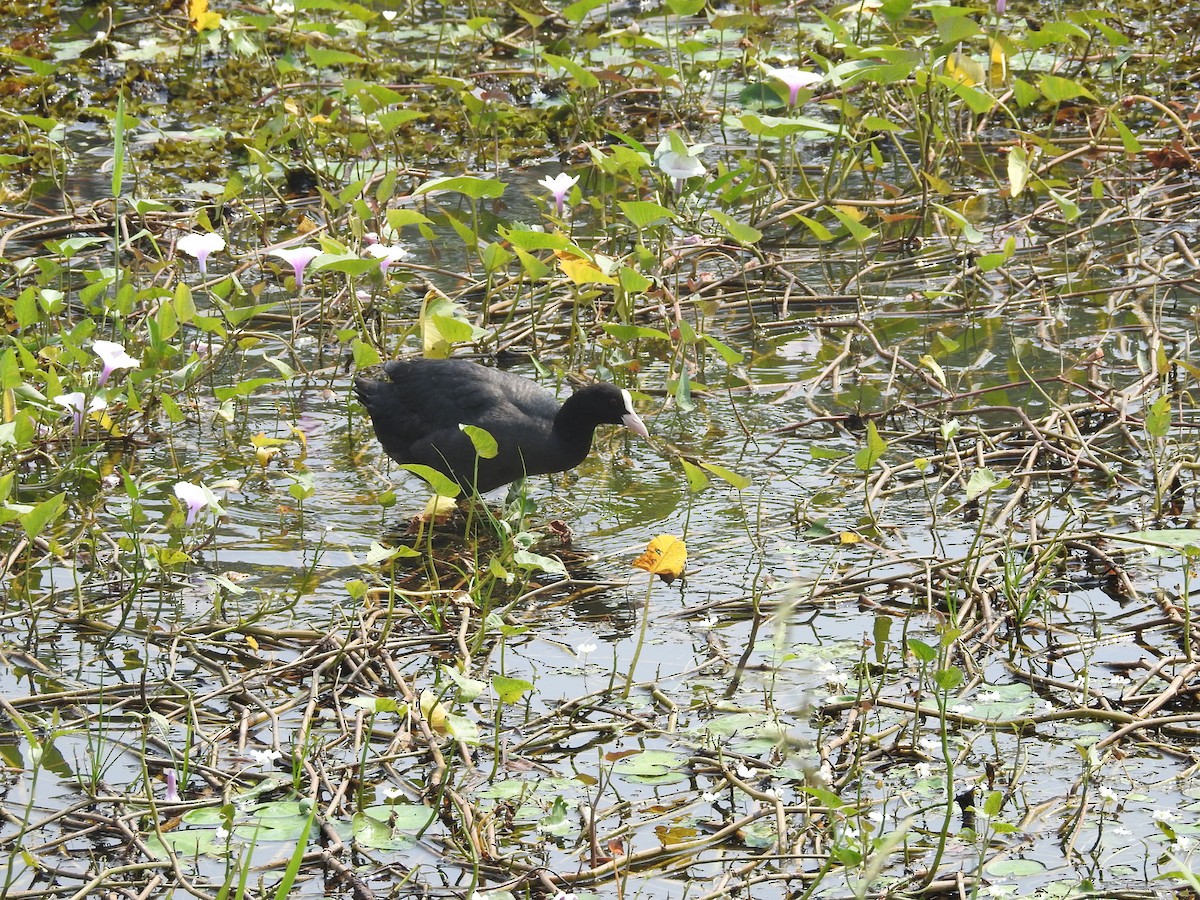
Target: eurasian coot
[{"x": 417, "y": 413}]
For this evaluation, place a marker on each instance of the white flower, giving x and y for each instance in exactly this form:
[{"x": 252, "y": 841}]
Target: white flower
[
  {"x": 923, "y": 770},
  {"x": 679, "y": 164},
  {"x": 194, "y": 496},
  {"x": 298, "y": 258},
  {"x": 386, "y": 254},
  {"x": 265, "y": 759},
  {"x": 585, "y": 647},
  {"x": 113, "y": 357},
  {"x": 560, "y": 185},
  {"x": 73, "y": 403},
  {"x": 795, "y": 80},
  {"x": 200, "y": 246},
  {"x": 1163, "y": 815}
]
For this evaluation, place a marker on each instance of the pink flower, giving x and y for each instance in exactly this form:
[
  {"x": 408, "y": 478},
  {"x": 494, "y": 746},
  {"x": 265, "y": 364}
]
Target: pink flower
[
  {"x": 200, "y": 246},
  {"x": 194, "y": 496},
  {"x": 386, "y": 254},
  {"x": 73, "y": 403},
  {"x": 172, "y": 795},
  {"x": 298, "y": 258},
  {"x": 678, "y": 160},
  {"x": 560, "y": 185},
  {"x": 114, "y": 357},
  {"x": 795, "y": 80}
]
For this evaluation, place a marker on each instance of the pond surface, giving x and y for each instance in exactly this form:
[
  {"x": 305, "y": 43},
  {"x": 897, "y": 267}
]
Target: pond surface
[{"x": 921, "y": 641}]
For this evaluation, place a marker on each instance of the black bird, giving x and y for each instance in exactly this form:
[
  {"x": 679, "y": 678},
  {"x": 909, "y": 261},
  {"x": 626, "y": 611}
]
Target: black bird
[{"x": 418, "y": 411}]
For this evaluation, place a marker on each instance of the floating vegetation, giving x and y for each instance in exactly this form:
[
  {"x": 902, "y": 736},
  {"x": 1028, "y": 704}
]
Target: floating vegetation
[{"x": 907, "y": 297}]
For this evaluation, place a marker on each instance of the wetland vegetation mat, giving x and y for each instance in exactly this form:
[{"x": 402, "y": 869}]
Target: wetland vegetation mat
[{"x": 895, "y": 601}]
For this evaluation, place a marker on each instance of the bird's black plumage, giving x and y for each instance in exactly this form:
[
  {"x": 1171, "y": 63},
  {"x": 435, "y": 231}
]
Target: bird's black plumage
[{"x": 418, "y": 410}]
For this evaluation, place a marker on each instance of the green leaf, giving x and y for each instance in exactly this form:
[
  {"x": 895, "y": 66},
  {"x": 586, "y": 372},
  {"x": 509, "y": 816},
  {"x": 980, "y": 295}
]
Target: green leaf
[
  {"x": 1057, "y": 89},
  {"x": 462, "y": 729},
  {"x": 991, "y": 261},
  {"x": 1128, "y": 139},
  {"x": 644, "y": 213},
  {"x": 364, "y": 355},
  {"x": 820, "y": 232},
  {"x": 741, "y": 482},
  {"x": 324, "y": 57},
  {"x": 585, "y": 79},
  {"x": 859, "y": 232},
  {"x": 977, "y": 100},
  {"x": 36, "y": 520},
  {"x": 527, "y": 559},
  {"x": 983, "y": 480},
  {"x": 634, "y": 332},
  {"x": 481, "y": 439},
  {"x": 531, "y": 241},
  {"x": 399, "y": 218},
  {"x": 118, "y": 129},
  {"x": 1069, "y": 209},
  {"x": 686, "y": 7},
  {"x": 740, "y": 232},
  {"x": 576, "y": 11},
  {"x": 468, "y": 688},
  {"x": 732, "y": 357},
  {"x": 467, "y": 185},
  {"x": 1019, "y": 170},
  {"x": 948, "y": 679},
  {"x": 969, "y": 231},
  {"x": 696, "y": 479},
  {"x": 922, "y": 651},
  {"x": 866, "y": 458},
  {"x": 1184, "y": 540},
  {"x": 556, "y": 821},
  {"x": 442, "y": 485},
  {"x": 1158, "y": 417},
  {"x": 242, "y": 389},
  {"x": 510, "y": 690}
]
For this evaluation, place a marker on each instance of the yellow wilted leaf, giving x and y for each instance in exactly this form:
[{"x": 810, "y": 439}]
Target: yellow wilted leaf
[
  {"x": 998, "y": 72},
  {"x": 439, "y": 509},
  {"x": 303, "y": 439},
  {"x": 200, "y": 16},
  {"x": 849, "y": 537},
  {"x": 964, "y": 69},
  {"x": 582, "y": 271},
  {"x": 433, "y": 711},
  {"x": 251, "y": 642},
  {"x": 665, "y": 557},
  {"x": 852, "y": 212},
  {"x": 102, "y": 418}
]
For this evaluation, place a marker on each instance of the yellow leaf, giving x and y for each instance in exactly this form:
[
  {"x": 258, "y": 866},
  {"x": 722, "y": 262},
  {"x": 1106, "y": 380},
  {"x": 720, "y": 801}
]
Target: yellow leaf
[
  {"x": 439, "y": 509},
  {"x": 102, "y": 418},
  {"x": 998, "y": 72},
  {"x": 251, "y": 641},
  {"x": 852, "y": 212},
  {"x": 433, "y": 711},
  {"x": 200, "y": 17},
  {"x": 665, "y": 557},
  {"x": 932, "y": 365},
  {"x": 849, "y": 537},
  {"x": 582, "y": 271},
  {"x": 964, "y": 69},
  {"x": 264, "y": 455}
]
